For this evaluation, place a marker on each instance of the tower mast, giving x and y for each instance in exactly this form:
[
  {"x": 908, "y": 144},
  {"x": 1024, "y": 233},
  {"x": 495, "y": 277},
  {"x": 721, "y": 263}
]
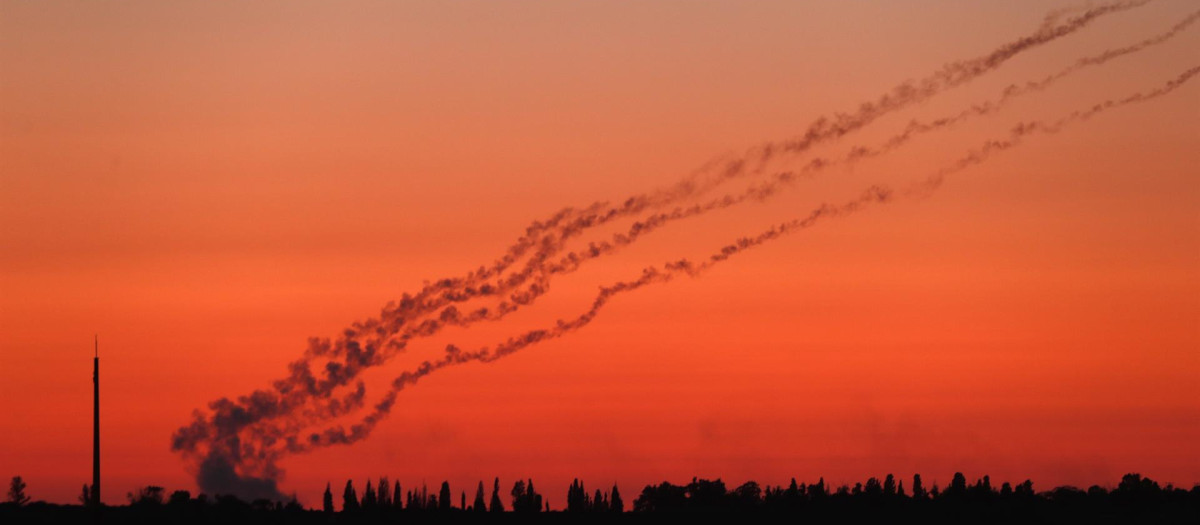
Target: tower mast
[{"x": 95, "y": 496}]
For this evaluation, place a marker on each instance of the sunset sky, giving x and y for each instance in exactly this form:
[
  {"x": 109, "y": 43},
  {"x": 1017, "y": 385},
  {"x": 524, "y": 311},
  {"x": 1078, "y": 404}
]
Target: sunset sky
[{"x": 208, "y": 185}]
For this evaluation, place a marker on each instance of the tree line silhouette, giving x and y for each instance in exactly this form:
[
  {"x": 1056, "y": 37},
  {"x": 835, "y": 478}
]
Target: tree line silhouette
[{"x": 387, "y": 502}]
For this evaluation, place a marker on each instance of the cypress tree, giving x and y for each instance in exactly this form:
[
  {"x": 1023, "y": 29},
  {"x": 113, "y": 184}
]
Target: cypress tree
[
  {"x": 496, "y": 505},
  {"x": 349, "y": 498},
  {"x": 480, "y": 505},
  {"x": 444, "y": 496}
]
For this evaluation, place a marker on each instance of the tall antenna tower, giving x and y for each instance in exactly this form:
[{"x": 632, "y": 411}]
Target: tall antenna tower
[{"x": 95, "y": 496}]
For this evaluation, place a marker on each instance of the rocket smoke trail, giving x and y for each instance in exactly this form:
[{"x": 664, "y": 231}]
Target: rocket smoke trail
[
  {"x": 876, "y": 194},
  {"x": 901, "y": 96},
  {"x": 1016, "y": 90},
  {"x": 457, "y": 290},
  {"x": 567, "y": 263},
  {"x": 235, "y": 448},
  {"x": 821, "y": 130}
]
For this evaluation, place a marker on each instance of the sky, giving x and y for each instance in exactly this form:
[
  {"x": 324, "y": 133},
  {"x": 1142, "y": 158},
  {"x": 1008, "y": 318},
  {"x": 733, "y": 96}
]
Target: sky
[{"x": 208, "y": 185}]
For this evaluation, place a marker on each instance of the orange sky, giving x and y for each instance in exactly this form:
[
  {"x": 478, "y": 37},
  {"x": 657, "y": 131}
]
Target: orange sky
[{"x": 206, "y": 186}]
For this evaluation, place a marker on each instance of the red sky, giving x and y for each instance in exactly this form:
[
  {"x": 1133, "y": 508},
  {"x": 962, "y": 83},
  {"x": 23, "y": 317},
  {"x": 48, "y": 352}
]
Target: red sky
[{"x": 206, "y": 186}]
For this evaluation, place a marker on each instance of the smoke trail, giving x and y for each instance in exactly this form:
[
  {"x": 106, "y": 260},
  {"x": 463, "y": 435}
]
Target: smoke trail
[
  {"x": 583, "y": 221},
  {"x": 1114, "y": 53},
  {"x": 951, "y": 75},
  {"x": 235, "y": 451},
  {"x": 1052, "y": 17},
  {"x": 956, "y": 73},
  {"x": 454, "y": 356},
  {"x": 1019, "y": 132},
  {"x": 822, "y": 129},
  {"x": 901, "y": 96},
  {"x": 874, "y": 195},
  {"x": 762, "y": 191},
  {"x": 1016, "y": 90}
]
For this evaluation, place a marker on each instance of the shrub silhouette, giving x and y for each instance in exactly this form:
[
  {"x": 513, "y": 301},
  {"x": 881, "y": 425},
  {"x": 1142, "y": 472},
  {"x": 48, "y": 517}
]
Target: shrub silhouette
[{"x": 16, "y": 492}]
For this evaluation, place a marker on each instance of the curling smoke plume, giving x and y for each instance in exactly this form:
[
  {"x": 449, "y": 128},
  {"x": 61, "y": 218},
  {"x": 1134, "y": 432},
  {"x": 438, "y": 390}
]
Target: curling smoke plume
[{"x": 236, "y": 446}]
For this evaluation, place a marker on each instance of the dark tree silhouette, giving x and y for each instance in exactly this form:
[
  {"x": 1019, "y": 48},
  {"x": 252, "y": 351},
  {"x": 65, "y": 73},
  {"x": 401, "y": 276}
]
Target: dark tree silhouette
[
  {"x": 421, "y": 500},
  {"x": 873, "y": 488},
  {"x": 463, "y": 500},
  {"x": 16, "y": 492},
  {"x": 148, "y": 495},
  {"x": 496, "y": 505},
  {"x": 957, "y": 488},
  {"x": 349, "y": 498},
  {"x": 819, "y": 491},
  {"x": 397, "y": 496},
  {"x": 664, "y": 497},
  {"x": 1135, "y": 500},
  {"x": 703, "y": 493},
  {"x": 533, "y": 500},
  {"x": 982, "y": 489},
  {"x": 479, "y": 504},
  {"x": 444, "y": 496},
  {"x": 518, "y": 493},
  {"x": 1134, "y": 485},
  {"x": 179, "y": 498},
  {"x": 918, "y": 489},
  {"x": 792, "y": 495},
  {"x": 85, "y": 497},
  {"x": 524, "y": 498},
  {"x": 1024, "y": 490},
  {"x": 383, "y": 493},
  {"x": 368, "y": 499},
  {"x": 577, "y": 499},
  {"x": 889, "y": 486}
]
